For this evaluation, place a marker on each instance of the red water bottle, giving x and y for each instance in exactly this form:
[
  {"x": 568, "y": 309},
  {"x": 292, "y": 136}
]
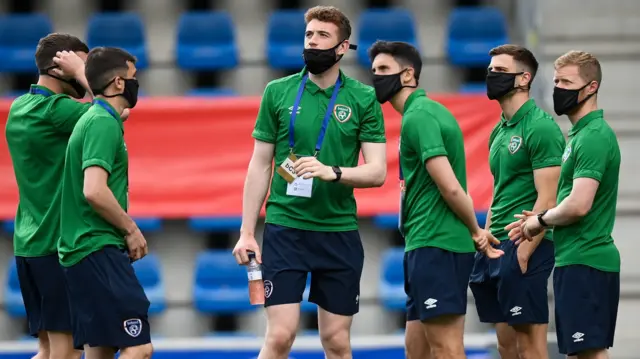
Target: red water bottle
[{"x": 256, "y": 284}]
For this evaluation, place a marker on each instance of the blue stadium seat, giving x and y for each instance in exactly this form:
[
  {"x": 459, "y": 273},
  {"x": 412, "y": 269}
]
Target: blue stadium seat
[
  {"x": 8, "y": 225},
  {"x": 12, "y": 94},
  {"x": 306, "y": 306},
  {"x": 206, "y": 41},
  {"x": 390, "y": 221},
  {"x": 472, "y": 32},
  {"x": 384, "y": 24},
  {"x": 149, "y": 274},
  {"x": 227, "y": 334},
  {"x": 12, "y": 296},
  {"x": 19, "y": 36},
  {"x": 149, "y": 224},
  {"x": 391, "y": 289},
  {"x": 220, "y": 284},
  {"x": 211, "y": 92},
  {"x": 215, "y": 224},
  {"x": 119, "y": 29},
  {"x": 285, "y": 39},
  {"x": 473, "y": 88}
]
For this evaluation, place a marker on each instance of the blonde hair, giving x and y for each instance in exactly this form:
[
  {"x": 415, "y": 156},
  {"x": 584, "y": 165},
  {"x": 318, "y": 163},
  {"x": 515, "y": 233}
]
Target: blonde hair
[{"x": 588, "y": 66}]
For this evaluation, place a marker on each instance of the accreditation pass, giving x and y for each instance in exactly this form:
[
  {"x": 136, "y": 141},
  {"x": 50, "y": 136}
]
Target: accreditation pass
[{"x": 296, "y": 186}]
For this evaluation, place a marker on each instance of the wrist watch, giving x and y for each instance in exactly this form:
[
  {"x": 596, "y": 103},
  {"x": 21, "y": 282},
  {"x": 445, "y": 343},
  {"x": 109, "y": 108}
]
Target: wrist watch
[
  {"x": 540, "y": 220},
  {"x": 338, "y": 173}
]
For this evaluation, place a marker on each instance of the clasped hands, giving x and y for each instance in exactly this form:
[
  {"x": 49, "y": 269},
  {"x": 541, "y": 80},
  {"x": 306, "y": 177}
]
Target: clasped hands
[{"x": 525, "y": 228}]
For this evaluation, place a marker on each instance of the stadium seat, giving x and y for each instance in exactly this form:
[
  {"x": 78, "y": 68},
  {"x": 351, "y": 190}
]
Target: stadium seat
[
  {"x": 149, "y": 224},
  {"x": 472, "y": 32},
  {"x": 234, "y": 334},
  {"x": 390, "y": 221},
  {"x": 215, "y": 224},
  {"x": 123, "y": 30},
  {"x": 12, "y": 94},
  {"x": 8, "y": 225},
  {"x": 149, "y": 274},
  {"x": 473, "y": 88},
  {"x": 391, "y": 289},
  {"x": 285, "y": 39},
  {"x": 384, "y": 24},
  {"x": 211, "y": 92},
  {"x": 12, "y": 296},
  {"x": 19, "y": 36},
  {"x": 220, "y": 284},
  {"x": 206, "y": 41},
  {"x": 306, "y": 306}
]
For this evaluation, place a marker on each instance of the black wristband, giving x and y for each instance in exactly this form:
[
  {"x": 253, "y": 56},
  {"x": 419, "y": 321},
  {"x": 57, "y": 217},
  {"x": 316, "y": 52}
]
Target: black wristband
[
  {"x": 338, "y": 173},
  {"x": 540, "y": 220}
]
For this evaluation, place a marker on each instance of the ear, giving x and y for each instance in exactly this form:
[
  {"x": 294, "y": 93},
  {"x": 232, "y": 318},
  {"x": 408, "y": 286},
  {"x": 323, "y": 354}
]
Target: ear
[
  {"x": 525, "y": 79},
  {"x": 342, "y": 49},
  {"x": 593, "y": 87},
  {"x": 119, "y": 83},
  {"x": 408, "y": 76}
]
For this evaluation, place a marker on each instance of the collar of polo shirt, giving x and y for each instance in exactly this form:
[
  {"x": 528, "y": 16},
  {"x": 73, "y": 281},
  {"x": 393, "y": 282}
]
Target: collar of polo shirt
[
  {"x": 313, "y": 88},
  {"x": 520, "y": 114},
  {"x": 587, "y": 119}
]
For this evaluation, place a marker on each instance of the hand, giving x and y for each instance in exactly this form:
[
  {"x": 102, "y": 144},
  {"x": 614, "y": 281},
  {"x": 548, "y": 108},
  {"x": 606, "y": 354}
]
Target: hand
[
  {"x": 125, "y": 114},
  {"x": 136, "y": 245},
  {"x": 310, "y": 167},
  {"x": 69, "y": 63},
  {"x": 246, "y": 243},
  {"x": 523, "y": 258},
  {"x": 484, "y": 240},
  {"x": 525, "y": 228}
]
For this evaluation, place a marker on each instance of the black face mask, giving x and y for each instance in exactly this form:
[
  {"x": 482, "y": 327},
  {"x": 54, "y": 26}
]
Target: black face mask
[
  {"x": 319, "y": 61},
  {"x": 565, "y": 100},
  {"x": 499, "y": 84},
  {"x": 387, "y": 86},
  {"x": 130, "y": 92},
  {"x": 77, "y": 88}
]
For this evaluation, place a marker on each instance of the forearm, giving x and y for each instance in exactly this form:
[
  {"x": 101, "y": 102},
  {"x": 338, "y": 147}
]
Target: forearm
[
  {"x": 255, "y": 190},
  {"x": 462, "y": 205},
  {"x": 566, "y": 213},
  {"x": 487, "y": 222},
  {"x": 364, "y": 176},
  {"x": 107, "y": 206},
  {"x": 530, "y": 246}
]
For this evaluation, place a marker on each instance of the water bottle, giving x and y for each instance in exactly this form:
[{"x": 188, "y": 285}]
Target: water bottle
[{"x": 256, "y": 284}]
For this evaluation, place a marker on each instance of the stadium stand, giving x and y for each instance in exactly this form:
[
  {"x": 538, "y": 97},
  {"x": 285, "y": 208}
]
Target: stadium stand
[
  {"x": 392, "y": 293},
  {"x": 13, "y": 303},
  {"x": 19, "y": 35},
  {"x": 285, "y": 31},
  {"x": 125, "y": 30},
  {"x": 149, "y": 273},
  {"x": 384, "y": 24}
]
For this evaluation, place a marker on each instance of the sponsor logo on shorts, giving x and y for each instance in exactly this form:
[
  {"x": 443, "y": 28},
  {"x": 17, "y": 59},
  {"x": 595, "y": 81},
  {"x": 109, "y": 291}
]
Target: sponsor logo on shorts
[
  {"x": 133, "y": 327},
  {"x": 268, "y": 288},
  {"x": 342, "y": 113},
  {"x": 577, "y": 337},
  {"x": 515, "y": 311},
  {"x": 431, "y": 303},
  {"x": 514, "y": 144}
]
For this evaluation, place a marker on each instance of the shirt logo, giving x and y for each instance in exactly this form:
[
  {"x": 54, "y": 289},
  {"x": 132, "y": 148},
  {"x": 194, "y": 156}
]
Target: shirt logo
[
  {"x": 297, "y": 111},
  {"x": 566, "y": 154},
  {"x": 514, "y": 144},
  {"x": 342, "y": 113}
]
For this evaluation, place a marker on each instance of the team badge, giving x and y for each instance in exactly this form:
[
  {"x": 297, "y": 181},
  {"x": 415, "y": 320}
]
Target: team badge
[
  {"x": 268, "y": 288},
  {"x": 342, "y": 113},
  {"x": 514, "y": 144},
  {"x": 567, "y": 153},
  {"x": 133, "y": 327}
]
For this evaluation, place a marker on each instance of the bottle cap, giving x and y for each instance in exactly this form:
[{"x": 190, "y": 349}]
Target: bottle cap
[{"x": 251, "y": 255}]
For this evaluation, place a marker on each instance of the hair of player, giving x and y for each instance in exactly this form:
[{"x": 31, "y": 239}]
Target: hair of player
[
  {"x": 404, "y": 53},
  {"x": 49, "y": 45},
  {"x": 523, "y": 57},
  {"x": 588, "y": 65},
  {"x": 105, "y": 63},
  {"x": 333, "y": 15}
]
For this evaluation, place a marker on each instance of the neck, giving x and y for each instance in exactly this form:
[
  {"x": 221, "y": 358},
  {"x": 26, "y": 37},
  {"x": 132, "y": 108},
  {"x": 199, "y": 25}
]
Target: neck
[
  {"x": 327, "y": 78},
  {"x": 583, "y": 109},
  {"x": 398, "y": 101},
  {"x": 116, "y": 102},
  {"x": 50, "y": 83},
  {"x": 512, "y": 104}
]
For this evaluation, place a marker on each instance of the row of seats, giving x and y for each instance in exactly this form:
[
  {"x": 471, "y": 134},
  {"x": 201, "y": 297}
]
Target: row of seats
[
  {"x": 220, "y": 285},
  {"x": 206, "y": 40}
]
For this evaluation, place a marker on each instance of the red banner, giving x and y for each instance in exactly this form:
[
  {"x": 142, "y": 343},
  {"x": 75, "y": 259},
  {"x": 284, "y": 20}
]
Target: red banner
[{"x": 188, "y": 157}]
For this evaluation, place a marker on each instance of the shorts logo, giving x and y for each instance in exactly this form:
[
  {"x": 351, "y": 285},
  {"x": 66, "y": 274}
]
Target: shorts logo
[
  {"x": 342, "y": 113},
  {"x": 268, "y": 288},
  {"x": 514, "y": 144},
  {"x": 133, "y": 327},
  {"x": 431, "y": 303},
  {"x": 566, "y": 154},
  {"x": 578, "y": 337},
  {"x": 515, "y": 311}
]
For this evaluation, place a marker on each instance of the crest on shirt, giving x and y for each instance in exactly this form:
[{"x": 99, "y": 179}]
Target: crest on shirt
[
  {"x": 297, "y": 111},
  {"x": 342, "y": 113},
  {"x": 567, "y": 153},
  {"x": 514, "y": 144},
  {"x": 133, "y": 327}
]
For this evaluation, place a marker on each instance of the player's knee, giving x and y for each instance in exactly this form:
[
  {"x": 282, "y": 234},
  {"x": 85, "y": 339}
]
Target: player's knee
[
  {"x": 68, "y": 354},
  {"x": 42, "y": 354},
  {"x": 137, "y": 352},
  {"x": 336, "y": 341},
  {"x": 280, "y": 339},
  {"x": 508, "y": 350}
]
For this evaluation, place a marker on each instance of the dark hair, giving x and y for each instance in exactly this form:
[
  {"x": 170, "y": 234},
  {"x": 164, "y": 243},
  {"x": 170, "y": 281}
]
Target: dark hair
[
  {"x": 333, "y": 15},
  {"x": 522, "y": 56},
  {"x": 52, "y": 43},
  {"x": 404, "y": 53},
  {"x": 105, "y": 63}
]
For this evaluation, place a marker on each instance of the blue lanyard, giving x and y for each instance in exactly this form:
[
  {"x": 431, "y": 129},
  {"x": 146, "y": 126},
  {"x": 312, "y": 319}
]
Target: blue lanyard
[
  {"x": 325, "y": 121},
  {"x": 106, "y": 107},
  {"x": 37, "y": 91},
  {"x": 400, "y": 163}
]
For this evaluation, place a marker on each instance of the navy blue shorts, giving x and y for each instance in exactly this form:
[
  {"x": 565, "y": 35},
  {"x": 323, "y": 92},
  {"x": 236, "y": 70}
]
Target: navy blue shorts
[
  {"x": 504, "y": 294},
  {"x": 586, "y": 308},
  {"x": 436, "y": 282},
  {"x": 42, "y": 285},
  {"x": 334, "y": 259},
  {"x": 109, "y": 307}
]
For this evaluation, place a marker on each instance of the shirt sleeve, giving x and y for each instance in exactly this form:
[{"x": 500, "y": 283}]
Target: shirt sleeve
[
  {"x": 372, "y": 125},
  {"x": 591, "y": 156},
  {"x": 101, "y": 139},
  {"x": 424, "y": 135},
  {"x": 266, "y": 127},
  {"x": 65, "y": 112},
  {"x": 545, "y": 144}
]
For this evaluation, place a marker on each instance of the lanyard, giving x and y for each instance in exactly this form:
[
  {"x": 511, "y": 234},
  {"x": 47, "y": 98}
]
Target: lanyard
[
  {"x": 325, "y": 121},
  {"x": 106, "y": 107},
  {"x": 37, "y": 91}
]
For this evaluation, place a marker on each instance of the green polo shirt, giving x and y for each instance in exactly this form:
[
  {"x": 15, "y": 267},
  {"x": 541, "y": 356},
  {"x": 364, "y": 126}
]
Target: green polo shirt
[
  {"x": 37, "y": 131},
  {"x": 356, "y": 118},
  {"x": 530, "y": 140},
  {"x": 97, "y": 140},
  {"x": 592, "y": 152},
  {"x": 429, "y": 130}
]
